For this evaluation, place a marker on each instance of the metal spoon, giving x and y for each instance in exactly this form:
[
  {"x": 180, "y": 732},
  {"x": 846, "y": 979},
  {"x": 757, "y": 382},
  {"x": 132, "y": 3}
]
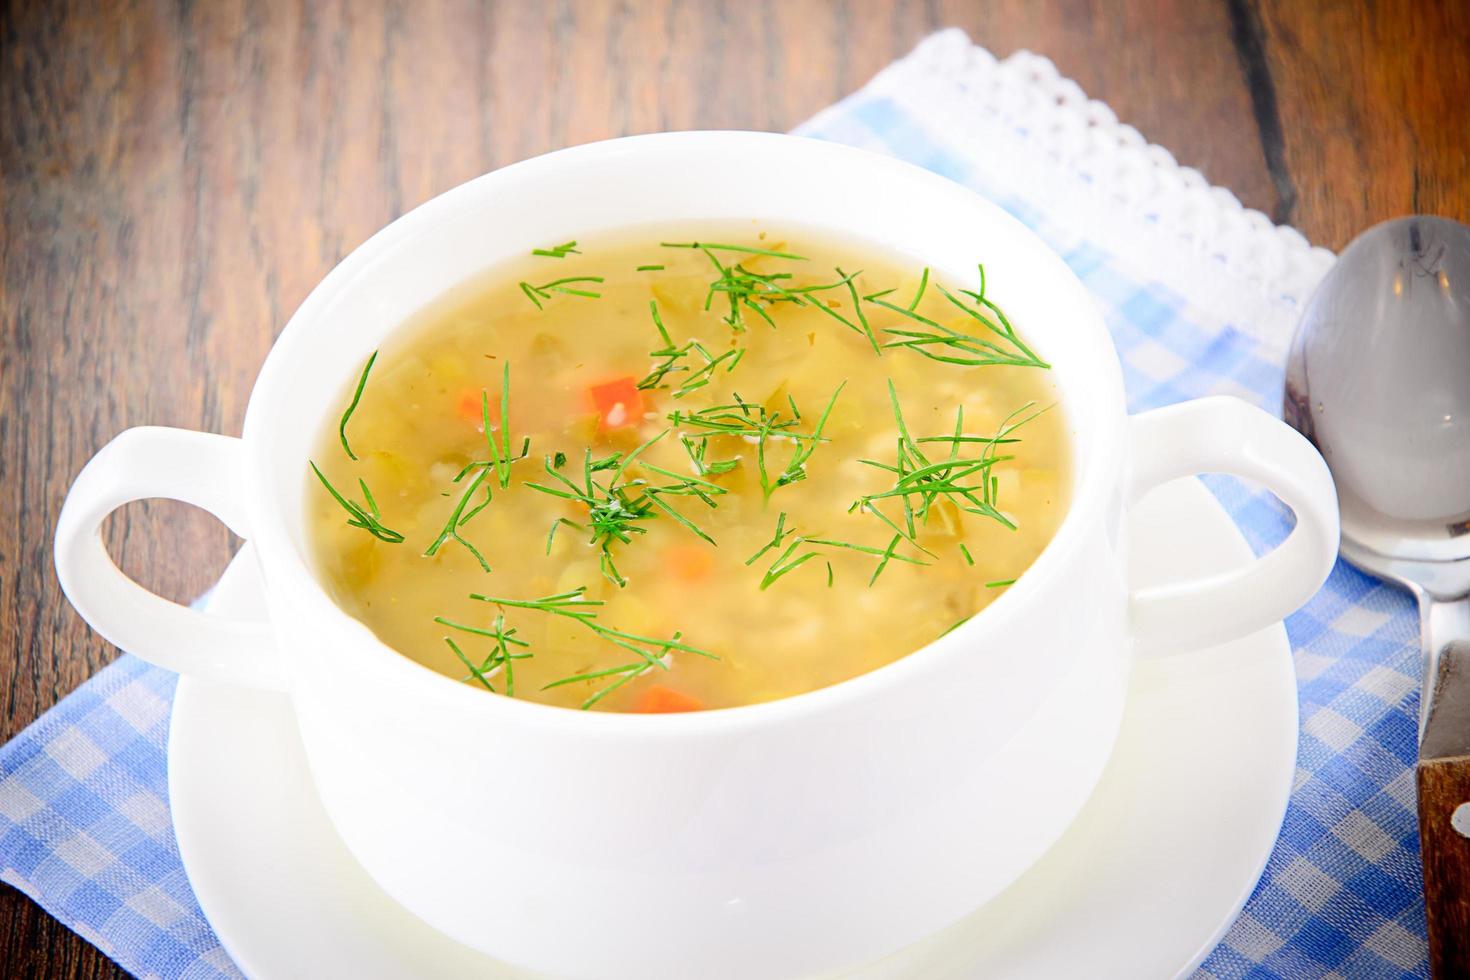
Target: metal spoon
[{"x": 1379, "y": 379}]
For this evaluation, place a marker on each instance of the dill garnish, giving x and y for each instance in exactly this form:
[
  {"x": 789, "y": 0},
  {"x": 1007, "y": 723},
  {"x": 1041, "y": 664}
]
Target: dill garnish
[
  {"x": 652, "y": 652},
  {"x": 957, "y": 624},
  {"x": 500, "y": 655},
  {"x": 941, "y": 343},
  {"x": 917, "y": 476},
  {"x": 1000, "y": 584},
  {"x": 796, "y": 467},
  {"x": 543, "y": 292},
  {"x": 458, "y": 518},
  {"x": 756, "y": 422},
  {"x": 649, "y": 268},
  {"x": 700, "y": 377},
  {"x": 748, "y": 250},
  {"x": 789, "y": 560},
  {"x": 558, "y": 251},
  {"x": 618, "y": 509},
  {"x": 475, "y": 672},
  {"x": 857, "y": 307},
  {"x": 697, "y": 449},
  {"x": 500, "y": 453},
  {"x": 924, "y": 281},
  {"x": 356, "y": 397},
  {"x": 367, "y": 517}
]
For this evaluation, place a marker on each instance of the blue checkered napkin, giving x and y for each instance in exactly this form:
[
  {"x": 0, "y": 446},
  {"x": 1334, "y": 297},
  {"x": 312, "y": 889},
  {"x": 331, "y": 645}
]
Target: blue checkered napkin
[
  {"x": 85, "y": 827},
  {"x": 1200, "y": 297}
]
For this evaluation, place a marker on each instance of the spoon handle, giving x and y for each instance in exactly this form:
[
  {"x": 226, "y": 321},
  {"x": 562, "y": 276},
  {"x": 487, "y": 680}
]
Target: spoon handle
[{"x": 1443, "y": 778}]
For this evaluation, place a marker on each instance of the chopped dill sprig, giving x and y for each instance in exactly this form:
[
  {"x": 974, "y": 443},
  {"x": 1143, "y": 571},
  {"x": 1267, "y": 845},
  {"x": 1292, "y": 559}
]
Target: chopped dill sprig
[
  {"x": 1002, "y": 583},
  {"x": 924, "y": 281},
  {"x": 458, "y": 518},
  {"x": 969, "y": 560},
  {"x": 701, "y": 377},
  {"x": 500, "y": 455},
  {"x": 795, "y": 470},
  {"x": 543, "y": 292},
  {"x": 652, "y": 652},
  {"x": 746, "y": 289},
  {"x": 793, "y": 557},
  {"x": 649, "y": 268},
  {"x": 957, "y": 624},
  {"x": 748, "y": 250},
  {"x": 920, "y": 481},
  {"x": 756, "y": 422},
  {"x": 672, "y": 356},
  {"x": 356, "y": 397},
  {"x": 500, "y": 656},
  {"x": 857, "y": 308},
  {"x": 557, "y": 251},
  {"x": 697, "y": 450},
  {"x": 475, "y": 672},
  {"x": 366, "y": 517},
  {"x": 941, "y": 343},
  {"x": 618, "y": 509}
]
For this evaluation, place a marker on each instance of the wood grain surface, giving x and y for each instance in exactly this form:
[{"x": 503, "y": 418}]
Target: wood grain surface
[{"x": 176, "y": 176}]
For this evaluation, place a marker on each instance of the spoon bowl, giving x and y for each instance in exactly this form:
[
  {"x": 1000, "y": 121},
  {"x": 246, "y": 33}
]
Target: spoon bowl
[{"x": 1379, "y": 379}]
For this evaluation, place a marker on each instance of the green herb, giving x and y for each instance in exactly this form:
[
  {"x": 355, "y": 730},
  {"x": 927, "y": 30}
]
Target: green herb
[
  {"x": 649, "y": 268},
  {"x": 743, "y": 288},
  {"x": 966, "y": 552},
  {"x": 365, "y": 517},
  {"x": 957, "y": 624},
  {"x": 557, "y": 251},
  {"x": 697, "y": 449},
  {"x": 793, "y": 557},
  {"x": 702, "y": 376},
  {"x": 711, "y": 246},
  {"x": 543, "y": 292},
  {"x": 475, "y": 672},
  {"x": 941, "y": 343},
  {"x": 670, "y": 354},
  {"x": 500, "y": 455},
  {"x": 917, "y": 476},
  {"x": 356, "y": 397},
  {"x": 652, "y": 652},
  {"x": 1000, "y": 584},
  {"x": 796, "y": 467},
  {"x": 781, "y": 531},
  {"x": 755, "y": 422},
  {"x": 924, "y": 281},
  {"x": 458, "y": 518},
  {"x": 618, "y": 509},
  {"x": 857, "y": 307},
  {"x": 500, "y": 655}
]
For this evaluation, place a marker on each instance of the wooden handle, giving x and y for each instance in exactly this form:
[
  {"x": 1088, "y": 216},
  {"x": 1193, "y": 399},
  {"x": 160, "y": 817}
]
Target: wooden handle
[{"x": 1443, "y": 777}]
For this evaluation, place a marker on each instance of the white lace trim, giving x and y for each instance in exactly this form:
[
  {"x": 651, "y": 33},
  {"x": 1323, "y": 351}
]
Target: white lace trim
[{"x": 1031, "y": 132}]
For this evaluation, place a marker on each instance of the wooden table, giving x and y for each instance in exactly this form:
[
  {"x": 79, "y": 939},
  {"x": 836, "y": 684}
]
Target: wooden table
[{"x": 175, "y": 178}]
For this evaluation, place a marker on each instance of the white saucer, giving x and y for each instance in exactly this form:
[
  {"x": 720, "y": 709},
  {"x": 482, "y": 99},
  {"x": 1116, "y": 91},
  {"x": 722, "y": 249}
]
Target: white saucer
[{"x": 1143, "y": 884}]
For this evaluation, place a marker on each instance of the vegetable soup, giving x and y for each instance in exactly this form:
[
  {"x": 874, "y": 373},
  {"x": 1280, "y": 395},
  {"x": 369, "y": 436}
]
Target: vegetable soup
[{"x": 685, "y": 467}]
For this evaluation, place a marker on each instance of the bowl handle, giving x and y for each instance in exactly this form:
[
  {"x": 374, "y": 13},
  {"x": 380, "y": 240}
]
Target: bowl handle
[
  {"x": 1227, "y": 435},
  {"x": 200, "y": 469}
]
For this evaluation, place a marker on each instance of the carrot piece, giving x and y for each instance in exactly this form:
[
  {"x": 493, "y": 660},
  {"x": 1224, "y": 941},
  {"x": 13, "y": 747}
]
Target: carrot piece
[
  {"x": 659, "y": 699},
  {"x": 468, "y": 406},
  {"x": 690, "y": 562},
  {"x": 618, "y": 403}
]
